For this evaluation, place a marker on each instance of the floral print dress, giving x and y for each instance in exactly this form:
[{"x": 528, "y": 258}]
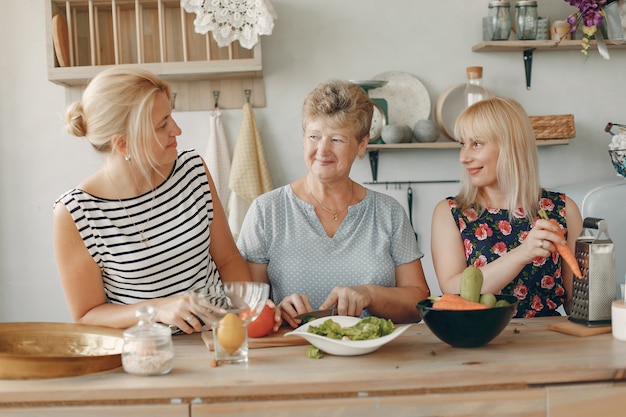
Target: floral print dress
[{"x": 539, "y": 285}]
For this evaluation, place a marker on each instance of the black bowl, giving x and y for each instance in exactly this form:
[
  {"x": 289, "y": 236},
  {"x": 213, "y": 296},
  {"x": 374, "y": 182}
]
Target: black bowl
[{"x": 468, "y": 328}]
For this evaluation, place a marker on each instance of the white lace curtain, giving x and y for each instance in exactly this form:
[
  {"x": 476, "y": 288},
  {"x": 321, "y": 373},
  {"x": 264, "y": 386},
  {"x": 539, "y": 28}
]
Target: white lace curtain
[{"x": 231, "y": 20}]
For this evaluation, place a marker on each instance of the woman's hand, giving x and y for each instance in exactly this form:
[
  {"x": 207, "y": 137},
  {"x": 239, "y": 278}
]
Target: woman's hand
[
  {"x": 187, "y": 314},
  {"x": 349, "y": 301},
  {"x": 540, "y": 241},
  {"x": 292, "y": 306}
]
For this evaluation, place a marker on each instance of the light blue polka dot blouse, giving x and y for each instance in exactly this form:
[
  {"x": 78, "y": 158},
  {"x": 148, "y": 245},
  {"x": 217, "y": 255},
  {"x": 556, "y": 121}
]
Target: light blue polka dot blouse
[{"x": 283, "y": 231}]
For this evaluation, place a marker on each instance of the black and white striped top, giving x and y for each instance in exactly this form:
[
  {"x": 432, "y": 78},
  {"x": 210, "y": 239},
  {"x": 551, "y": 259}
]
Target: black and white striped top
[{"x": 175, "y": 219}]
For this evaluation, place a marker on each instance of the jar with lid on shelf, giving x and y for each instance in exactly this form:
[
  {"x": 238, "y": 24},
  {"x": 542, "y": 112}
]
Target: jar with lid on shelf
[
  {"x": 526, "y": 19},
  {"x": 474, "y": 90},
  {"x": 148, "y": 347},
  {"x": 499, "y": 21}
]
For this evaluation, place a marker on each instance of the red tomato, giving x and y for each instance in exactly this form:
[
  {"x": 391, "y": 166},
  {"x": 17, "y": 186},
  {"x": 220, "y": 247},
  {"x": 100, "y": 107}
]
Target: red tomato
[{"x": 263, "y": 324}]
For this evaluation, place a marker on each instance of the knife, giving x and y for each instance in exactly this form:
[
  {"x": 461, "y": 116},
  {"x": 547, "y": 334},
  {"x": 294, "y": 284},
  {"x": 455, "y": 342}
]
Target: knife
[{"x": 312, "y": 315}]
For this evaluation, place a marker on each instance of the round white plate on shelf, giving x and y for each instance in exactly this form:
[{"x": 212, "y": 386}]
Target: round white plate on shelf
[
  {"x": 343, "y": 347},
  {"x": 407, "y": 98}
]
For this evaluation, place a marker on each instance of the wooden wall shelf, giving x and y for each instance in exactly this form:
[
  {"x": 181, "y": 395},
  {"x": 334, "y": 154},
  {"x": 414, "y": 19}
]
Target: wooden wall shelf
[
  {"x": 374, "y": 149},
  {"x": 517, "y": 46},
  {"x": 446, "y": 145},
  {"x": 157, "y": 35}
]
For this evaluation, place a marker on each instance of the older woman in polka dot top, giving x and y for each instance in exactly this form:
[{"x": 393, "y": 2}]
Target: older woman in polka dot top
[{"x": 325, "y": 241}]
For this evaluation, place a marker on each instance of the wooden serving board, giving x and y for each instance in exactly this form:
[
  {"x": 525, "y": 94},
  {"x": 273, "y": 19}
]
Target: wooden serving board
[
  {"x": 60, "y": 38},
  {"x": 277, "y": 339},
  {"x": 577, "y": 329}
]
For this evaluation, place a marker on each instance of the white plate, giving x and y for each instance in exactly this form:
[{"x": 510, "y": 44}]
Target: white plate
[
  {"x": 407, "y": 99},
  {"x": 344, "y": 347}
]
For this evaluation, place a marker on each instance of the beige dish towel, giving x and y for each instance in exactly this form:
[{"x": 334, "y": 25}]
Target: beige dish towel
[
  {"x": 217, "y": 155},
  {"x": 249, "y": 173}
]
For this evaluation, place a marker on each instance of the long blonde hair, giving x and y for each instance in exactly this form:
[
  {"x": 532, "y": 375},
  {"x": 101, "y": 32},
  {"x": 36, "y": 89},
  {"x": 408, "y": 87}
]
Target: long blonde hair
[
  {"x": 118, "y": 102},
  {"x": 505, "y": 122}
]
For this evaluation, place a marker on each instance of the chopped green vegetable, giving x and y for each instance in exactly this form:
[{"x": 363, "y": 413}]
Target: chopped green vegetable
[
  {"x": 368, "y": 328},
  {"x": 314, "y": 353}
]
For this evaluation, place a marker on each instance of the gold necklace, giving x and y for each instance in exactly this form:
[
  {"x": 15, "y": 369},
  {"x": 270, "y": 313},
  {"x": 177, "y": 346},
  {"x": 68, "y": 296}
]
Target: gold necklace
[
  {"x": 334, "y": 213},
  {"x": 144, "y": 239}
]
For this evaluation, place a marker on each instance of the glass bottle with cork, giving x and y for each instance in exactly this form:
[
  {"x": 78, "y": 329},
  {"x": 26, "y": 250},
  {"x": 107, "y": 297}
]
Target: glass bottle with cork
[{"x": 474, "y": 90}]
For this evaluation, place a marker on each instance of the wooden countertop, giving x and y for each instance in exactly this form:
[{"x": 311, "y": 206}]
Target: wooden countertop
[{"x": 524, "y": 356}]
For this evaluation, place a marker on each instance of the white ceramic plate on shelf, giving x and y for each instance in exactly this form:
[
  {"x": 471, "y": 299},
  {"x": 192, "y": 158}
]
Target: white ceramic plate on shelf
[
  {"x": 343, "y": 347},
  {"x": 407, "y": 99}
]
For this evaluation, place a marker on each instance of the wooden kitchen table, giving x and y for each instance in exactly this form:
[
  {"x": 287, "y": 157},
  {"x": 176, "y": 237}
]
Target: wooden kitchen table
[{"x": 527, "y": 370}]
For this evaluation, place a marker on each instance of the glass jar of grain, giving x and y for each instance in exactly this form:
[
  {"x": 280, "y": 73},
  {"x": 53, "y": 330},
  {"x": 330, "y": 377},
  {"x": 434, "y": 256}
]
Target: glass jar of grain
[{"x": 148, "y": 347}]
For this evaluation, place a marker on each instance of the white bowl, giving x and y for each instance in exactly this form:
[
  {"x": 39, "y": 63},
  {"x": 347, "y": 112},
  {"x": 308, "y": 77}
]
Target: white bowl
[{"x": 344, "y": 347}]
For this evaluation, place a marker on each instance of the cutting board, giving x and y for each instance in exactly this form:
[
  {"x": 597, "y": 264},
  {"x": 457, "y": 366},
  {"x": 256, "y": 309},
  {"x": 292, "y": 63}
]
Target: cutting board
[
  {"x": 60, "y": 39},
  {"x": 577, "y": 329},
  {"x": 277, "y": 339}
]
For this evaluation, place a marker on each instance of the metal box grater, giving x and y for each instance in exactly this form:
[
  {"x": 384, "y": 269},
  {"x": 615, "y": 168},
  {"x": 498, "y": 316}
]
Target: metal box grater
[{"x": 594, "y": 293}]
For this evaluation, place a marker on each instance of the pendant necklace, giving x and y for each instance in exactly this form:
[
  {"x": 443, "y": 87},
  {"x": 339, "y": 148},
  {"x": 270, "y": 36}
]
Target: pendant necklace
[
  {"x": 333, "y": 212},
  {"x": 144, "y": 239}
]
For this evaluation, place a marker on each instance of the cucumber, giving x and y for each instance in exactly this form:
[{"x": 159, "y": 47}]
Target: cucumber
[
  {"x": 471, "y": 284},
  {"x": 488, "y": 299}
]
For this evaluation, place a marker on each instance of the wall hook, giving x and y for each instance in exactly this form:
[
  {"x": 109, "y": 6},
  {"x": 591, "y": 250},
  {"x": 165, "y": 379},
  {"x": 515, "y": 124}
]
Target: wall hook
[
  {"x": 216, "y": 97},
  {"x": 247, "y": 93}
]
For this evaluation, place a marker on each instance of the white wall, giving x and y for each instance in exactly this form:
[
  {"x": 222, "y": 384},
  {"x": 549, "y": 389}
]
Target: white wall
[{"x": 312, "y": 41}]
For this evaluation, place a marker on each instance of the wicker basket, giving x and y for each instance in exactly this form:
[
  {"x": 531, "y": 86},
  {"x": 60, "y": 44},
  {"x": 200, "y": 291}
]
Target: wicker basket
[
  {"x": 618, "y": 157},
  {"x": 560, "y": 126}
]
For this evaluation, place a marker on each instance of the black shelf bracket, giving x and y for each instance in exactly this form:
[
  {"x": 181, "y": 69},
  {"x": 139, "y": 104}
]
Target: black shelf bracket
[
  {"x": 528, "y": 65},
  {"x": 374, "y": 164}
]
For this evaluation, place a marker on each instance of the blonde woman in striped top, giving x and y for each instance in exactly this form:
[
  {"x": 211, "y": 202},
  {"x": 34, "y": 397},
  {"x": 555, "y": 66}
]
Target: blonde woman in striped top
[{"x": 147, "y": 227}]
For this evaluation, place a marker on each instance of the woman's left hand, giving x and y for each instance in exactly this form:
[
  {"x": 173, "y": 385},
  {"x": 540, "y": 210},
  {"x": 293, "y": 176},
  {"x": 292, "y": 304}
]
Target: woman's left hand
[{"x": 349, "y": 301}]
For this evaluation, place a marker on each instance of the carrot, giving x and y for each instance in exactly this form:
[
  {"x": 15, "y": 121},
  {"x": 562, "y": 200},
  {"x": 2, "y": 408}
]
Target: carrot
[
  {"x": 564, "y": 250},
  {"x": 455, "y": 302}
]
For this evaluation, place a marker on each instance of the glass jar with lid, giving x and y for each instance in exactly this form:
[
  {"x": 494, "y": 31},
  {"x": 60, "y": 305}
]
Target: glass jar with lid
[
  {"x": 526, "y": 19},
  {"x": 499, "y": 21},
  {"x": 148, "y": 347}
]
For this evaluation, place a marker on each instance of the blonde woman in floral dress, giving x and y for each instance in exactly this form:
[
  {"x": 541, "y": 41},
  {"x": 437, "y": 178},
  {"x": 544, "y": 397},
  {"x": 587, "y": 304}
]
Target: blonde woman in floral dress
[{"x": 493, "y": 222}]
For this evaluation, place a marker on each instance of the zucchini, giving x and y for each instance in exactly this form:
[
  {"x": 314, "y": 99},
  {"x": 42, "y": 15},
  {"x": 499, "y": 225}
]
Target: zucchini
[{"x": 471, "y": 284}]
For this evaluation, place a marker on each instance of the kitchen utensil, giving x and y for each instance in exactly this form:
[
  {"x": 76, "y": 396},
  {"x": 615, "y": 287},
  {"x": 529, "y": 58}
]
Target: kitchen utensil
[
  {"x": 60, "y": 38},
  {"x": 594, "y": 293},
  {"x": 409, "y": 196},
  {"x": 449, "y": 105},
  {"x": 312, "y": 315},
  {"x": 380, "y": 117},
  {"x": 406, "y": 96},
  {"x": 344, "y": 347},
  {"x": 468, "y": 328},
  {"x": 577, "y": 329},
  {"x": 37, "y": 350}
]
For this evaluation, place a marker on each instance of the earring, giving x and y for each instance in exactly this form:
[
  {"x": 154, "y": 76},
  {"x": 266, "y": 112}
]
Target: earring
[
  {"x": 127, "y": 157},
  {"x": 361, "y": 157}
]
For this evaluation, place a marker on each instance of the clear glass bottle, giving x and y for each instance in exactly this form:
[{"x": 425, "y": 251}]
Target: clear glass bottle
[
  {"x": 499, "y": 21},
  {"x": 148, "y": 347},
  {"x": 526, "y": 19},
  {"x": 474, "y": 90}
]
